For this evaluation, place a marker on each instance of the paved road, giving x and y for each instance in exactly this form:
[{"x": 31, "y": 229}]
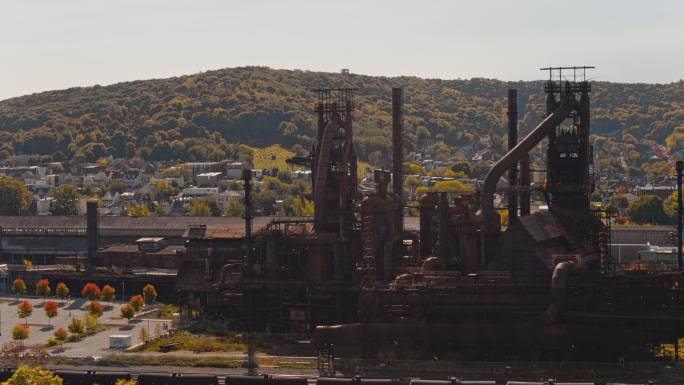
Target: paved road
[{"x": 41, "y": 328}]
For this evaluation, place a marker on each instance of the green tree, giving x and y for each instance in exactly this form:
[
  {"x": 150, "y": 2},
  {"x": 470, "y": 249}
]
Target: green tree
[
  {"x": 647, "y": 209},
  {"x": 62, "y": 290},
  {"x": 150, "y": 293},
  {"x": 60, "y": 334},
  {"x": 94, "y": 308},
  {"x": 65, "y": 200},
  {"x": 138, "y": 210},
  {"x": 50, "y": 308},
  {"x": 43, "y": 288},
  {"x": 18, "y": 287},
  {"x": 14, "y": 196},
  {"x": 127, "y": 311},
  {"x": 235, "y": 208},
  {"x": 451, "y": 186},
  {"x": 91, "y": 291},
  {"x": 108, "y": 293},
  {"x": 137, "y": 302},
  {"x": 24, "y": 310},
  {"x": 20, "y": 332},
  {"x": 670, "y": 207},
  {"x": 201, "y": 207},
  {"x": 76, "y": 327},
  {"x": 33, "y": 375}
]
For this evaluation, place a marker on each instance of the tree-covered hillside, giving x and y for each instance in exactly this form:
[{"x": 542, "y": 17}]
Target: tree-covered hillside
[{"x": 204, "y": 116}]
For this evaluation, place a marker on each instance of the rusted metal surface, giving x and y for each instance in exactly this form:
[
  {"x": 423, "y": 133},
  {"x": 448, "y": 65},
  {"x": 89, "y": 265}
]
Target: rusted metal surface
[{"x": 512, "y": 141}]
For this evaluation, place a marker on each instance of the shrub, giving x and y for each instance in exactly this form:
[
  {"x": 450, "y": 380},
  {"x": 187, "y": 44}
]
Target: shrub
[
  {"x": 33, "y": 375},
  {"x": 43, "y": 288},
  {"x": 50, "y": 308},
  {"x": 62, "y": 290},
  {"x": 137, "y": 302},
  {"x": 60, "y": 334},
  {"x": 20, "y": 332},
  {"x": 76, "y": 326},
  {"x": 150, "y": 293},
  {"x": 74, "y": 338},
  {"x": 94, "y": 308},
  {"x": 18, "y": 286},
  {"x": 24, "y": 309},
  {"x": 108, "y": 293},
  {"x": 52, "y": 341},
  {"x": 127, "y": 311},
  {"x": 91, "y": 291},
  {"x": 90, "y": 324}
]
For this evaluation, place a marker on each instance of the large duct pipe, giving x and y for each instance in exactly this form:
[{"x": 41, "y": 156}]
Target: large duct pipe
[
  {"x": 512, "y": 141},
  {"x": 516, "y": 154},
  {"x": 559, "y": 283},
  {"x": 397, "y": 156},
  {"x": 92, "y": 232}
]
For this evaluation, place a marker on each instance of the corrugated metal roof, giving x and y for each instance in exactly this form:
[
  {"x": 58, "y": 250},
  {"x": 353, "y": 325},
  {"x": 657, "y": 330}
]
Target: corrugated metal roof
[
  {"x": 235, "y": 224},
  {"x": 542, "y": 226}
]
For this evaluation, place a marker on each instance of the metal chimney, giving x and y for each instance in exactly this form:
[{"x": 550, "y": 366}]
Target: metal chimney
[{"x": 397, "y": 156}]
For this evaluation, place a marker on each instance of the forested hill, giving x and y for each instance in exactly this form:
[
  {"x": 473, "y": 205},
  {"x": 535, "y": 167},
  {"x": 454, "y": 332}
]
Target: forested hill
[{"x": 204, "y": 116}]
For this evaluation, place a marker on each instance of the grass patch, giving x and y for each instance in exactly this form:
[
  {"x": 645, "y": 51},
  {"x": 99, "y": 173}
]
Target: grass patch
[
  {"x": 166, "y": 311},
  {"x": 272, "y": 156},
  {"x": 206, "y": 361},
  {"x": 197, "y": 344},
  {"x": 173, "y": 360}
]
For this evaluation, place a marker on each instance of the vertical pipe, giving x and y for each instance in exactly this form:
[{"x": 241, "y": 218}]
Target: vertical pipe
[
  {"x": 247, "y": 179},
  {"x": 512, "y": 141},
  {"x": 397, "y": 156},
  {"x": 91, "y": 231},
  {"x": 444, "y": 228},
  {"x": 525, "y": 179},
  {"x": 680, "y": 221},
  {"x": 427, "y": 213}
]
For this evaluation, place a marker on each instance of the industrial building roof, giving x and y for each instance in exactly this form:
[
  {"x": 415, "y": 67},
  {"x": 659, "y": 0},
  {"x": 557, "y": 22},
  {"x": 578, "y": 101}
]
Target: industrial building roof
[{"x": 163, "y": 224}]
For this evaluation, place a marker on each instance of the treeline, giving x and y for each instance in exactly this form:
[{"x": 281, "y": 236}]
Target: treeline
[{"x": 205, "y": 116}]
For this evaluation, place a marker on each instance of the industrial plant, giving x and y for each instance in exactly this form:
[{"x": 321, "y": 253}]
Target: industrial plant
[{"x": 369, "y": 281}]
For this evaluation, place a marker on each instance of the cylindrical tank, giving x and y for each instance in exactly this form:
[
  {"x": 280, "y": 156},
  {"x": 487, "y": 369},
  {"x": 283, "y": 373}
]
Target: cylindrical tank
[
  {"x": 427, "y": 212},
  {"x": 374, "y": 229}
]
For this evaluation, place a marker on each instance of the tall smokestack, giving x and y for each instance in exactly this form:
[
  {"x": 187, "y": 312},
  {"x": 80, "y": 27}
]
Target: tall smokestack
[
  {"x": 91, "y": 231},
  {"x": 397, "y": 155},
  {"x": 512, "y": 141}
]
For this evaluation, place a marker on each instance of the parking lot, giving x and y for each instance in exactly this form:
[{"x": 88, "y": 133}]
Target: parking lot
[{"x": 41, "y": 328}]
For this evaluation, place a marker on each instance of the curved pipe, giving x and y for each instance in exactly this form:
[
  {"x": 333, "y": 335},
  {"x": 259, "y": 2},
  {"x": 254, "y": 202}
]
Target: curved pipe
[
  {"x": 515, "y": 154},
  {"x": 559, "y": 283}
]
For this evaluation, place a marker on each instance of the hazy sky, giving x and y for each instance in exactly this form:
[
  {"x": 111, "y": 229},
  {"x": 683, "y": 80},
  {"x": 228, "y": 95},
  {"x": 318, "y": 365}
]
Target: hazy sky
[{"x": 54, "y": 44}]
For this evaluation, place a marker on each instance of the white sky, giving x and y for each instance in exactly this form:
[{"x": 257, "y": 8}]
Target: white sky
[{"x": 52, "y": 44}]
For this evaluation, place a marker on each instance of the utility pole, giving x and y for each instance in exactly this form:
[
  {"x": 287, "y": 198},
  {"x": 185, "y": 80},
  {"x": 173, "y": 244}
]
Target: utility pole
[{"x": 679, "y": 166}]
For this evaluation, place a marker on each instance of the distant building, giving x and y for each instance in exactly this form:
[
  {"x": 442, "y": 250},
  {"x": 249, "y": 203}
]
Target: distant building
[
  {"x": 234, "y": 170},
  {"x": 208, "y": 179},
  {"x": 661, "y": 191},
  {"x": 200, "y": 191}
]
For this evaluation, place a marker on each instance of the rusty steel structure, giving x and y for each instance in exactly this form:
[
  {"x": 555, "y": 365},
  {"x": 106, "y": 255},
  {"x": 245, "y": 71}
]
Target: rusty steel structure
[{"x": 543, "y": 283}]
